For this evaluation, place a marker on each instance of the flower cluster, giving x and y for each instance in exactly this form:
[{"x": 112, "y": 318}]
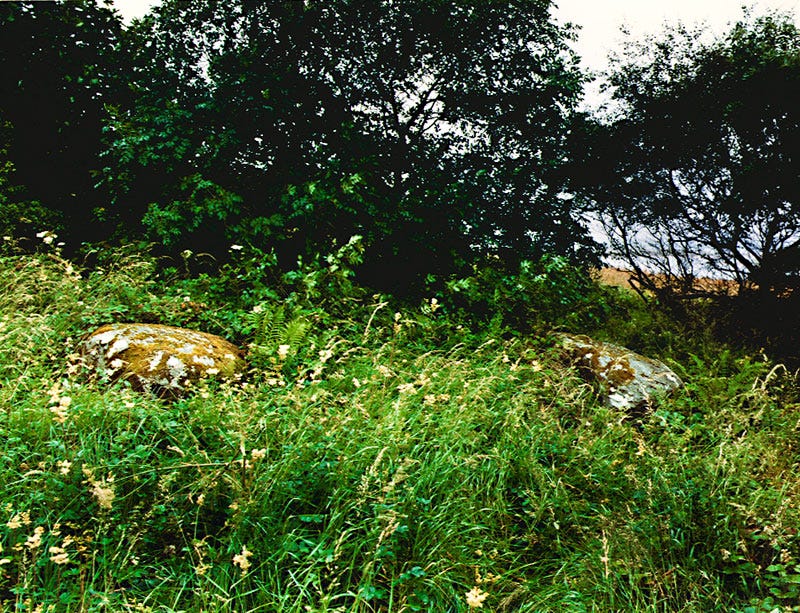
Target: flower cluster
[
  {"x": 242, "y": 560},
  {"x": 59, "y": 404},
  {"x": 475, "y": 598},
  {"x": 102, "y": 489}
]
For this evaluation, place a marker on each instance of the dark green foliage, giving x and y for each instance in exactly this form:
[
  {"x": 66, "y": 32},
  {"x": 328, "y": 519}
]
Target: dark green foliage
[
  {"x": 433, "y": 130},
  {"x": 535, "y": 296},
  {"x": 59, "y": 68}
]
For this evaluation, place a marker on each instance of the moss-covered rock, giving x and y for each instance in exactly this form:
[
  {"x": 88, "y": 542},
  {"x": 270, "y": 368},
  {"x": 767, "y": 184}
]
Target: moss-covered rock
[{"x": 163, "y": 359}]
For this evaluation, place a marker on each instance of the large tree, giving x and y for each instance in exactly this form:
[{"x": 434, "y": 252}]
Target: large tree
[
  {"x": 697, "y": 172},
  {"x": 59, "y": 68},
  {"x": 435, "y": 129}
]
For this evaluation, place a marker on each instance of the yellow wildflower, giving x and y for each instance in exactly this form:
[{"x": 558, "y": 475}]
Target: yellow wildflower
[
  {"x": 15, "y": 522},
  {"x": 257, "y": 454},
  {"x": 283, "y": 351}
]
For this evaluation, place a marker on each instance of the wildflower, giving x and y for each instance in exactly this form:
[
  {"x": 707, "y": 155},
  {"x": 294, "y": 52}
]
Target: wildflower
[
  {"x": 47, "y": 237},
  {"x": 475, "y": 598},
  {"x": 58, "y": 555},
  {"x": 64, "y": 466},
  {"x": 242, "y": 560},
  {"x": 14, "y": 523},
  {"x": 325, "y": 355},
  {"x": 19, "y": 520},
  {"x": 236, "y": 247},
  {"x": 5, "y": 561},
  {"x": 356, "y": 383},
  {"x": 405, "y": 388},
  {"x": 104, "y": 494},
  {"x": 201, "y": 569},
  {"x": 35, "y": 539},
  {"x": 102, "y": 489},
  {"x": 283, "y": 351},
  {"x": 59, "y": 414},
  {"x": 257, "y": 454}
]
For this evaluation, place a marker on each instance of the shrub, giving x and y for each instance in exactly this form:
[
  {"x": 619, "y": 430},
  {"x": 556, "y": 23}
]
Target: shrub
[{"x": 548, "y": 293}]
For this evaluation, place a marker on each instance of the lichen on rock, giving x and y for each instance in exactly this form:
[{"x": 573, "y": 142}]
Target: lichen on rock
[
  {"x": 163, "y": 359},
  {"x": 627, "y": 379}
]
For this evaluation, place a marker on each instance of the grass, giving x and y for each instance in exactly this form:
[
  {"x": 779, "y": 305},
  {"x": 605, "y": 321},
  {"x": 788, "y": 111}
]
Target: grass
[{"x": 391, "y": 463}]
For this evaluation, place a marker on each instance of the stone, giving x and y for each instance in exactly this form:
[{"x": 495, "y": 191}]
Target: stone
[
  {"x": 629, "y": 381},
  {"x": 162, "y": 359}
]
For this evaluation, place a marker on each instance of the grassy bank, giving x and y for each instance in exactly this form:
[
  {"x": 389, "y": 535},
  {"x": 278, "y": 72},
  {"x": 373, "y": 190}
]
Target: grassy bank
[{"x": 396, "y": 458}]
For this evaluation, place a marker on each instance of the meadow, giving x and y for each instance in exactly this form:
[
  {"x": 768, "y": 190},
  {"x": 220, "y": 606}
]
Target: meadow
[{"x": 383, "y": 455}]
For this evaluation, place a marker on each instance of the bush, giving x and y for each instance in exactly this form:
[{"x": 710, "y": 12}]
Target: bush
[{"x": 538, "y": 295}]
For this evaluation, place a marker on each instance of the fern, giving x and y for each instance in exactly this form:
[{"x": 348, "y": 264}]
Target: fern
[
  {"x": 276, "y": 332},
  {"x": 267, "y": 324}
]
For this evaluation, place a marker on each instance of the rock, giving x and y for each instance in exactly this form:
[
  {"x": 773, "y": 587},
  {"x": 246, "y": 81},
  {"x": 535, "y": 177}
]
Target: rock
[
  {"x": 159, "y": 358},
  {"x": 629, "y": 380}
]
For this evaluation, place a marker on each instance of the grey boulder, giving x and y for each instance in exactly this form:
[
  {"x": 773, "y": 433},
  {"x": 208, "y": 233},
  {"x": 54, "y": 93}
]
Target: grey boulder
[{"x": 627, "y": 379}]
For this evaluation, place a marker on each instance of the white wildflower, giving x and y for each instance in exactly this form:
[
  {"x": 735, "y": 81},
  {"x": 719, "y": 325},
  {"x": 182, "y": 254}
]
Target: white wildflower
[
  {"x": 242, "y": 560},
  {"x": 475, "y": 598}
]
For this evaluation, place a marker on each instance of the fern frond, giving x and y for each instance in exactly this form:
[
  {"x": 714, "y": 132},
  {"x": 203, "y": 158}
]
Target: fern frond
[{"x": 274, "y": 328}]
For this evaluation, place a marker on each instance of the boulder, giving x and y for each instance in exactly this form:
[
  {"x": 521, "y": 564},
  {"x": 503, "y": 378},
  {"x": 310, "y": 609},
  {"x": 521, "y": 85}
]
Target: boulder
[
  {"x": 629, "y": 380},
  {"x": 163, "y": 359}
]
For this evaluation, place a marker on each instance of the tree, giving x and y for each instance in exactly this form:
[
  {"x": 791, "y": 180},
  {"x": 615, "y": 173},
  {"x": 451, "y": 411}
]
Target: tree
[
  {"x": 698, "y": 173},
  {"x": 434, "y": 129},
  {"x": 58, "y": 71}
]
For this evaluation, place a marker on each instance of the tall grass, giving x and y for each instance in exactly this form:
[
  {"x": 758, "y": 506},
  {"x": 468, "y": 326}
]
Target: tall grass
[{"x": 396, "y": 461}]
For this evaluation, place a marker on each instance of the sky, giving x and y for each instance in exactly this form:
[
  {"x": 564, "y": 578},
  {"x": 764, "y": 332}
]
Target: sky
[{"x": 601, "y": 20}]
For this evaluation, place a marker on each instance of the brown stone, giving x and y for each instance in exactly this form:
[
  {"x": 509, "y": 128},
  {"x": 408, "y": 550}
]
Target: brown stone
[
  {"x": 628, "y": 380},
  {"x": 163, "y": 359}
]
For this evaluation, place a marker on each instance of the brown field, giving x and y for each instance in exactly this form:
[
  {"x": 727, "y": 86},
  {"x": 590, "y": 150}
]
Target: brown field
[{"x": 617, "y": 277}]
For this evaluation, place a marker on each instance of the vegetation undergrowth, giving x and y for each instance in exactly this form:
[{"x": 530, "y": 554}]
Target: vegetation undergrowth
[{"x": 383, "y": 456}]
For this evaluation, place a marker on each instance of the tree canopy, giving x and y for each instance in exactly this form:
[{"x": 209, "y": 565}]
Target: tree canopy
[
  {"x": 698, "y": 172},
  {"x": 434, "y": 129},
  {"x": 59, "y": 68},
  {"x": 439, "y": 131}
]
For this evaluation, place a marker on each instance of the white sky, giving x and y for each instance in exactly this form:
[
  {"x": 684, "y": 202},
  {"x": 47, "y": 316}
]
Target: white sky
[
  {"x": 601, "y": 20},
  {"x": 133, "y": 8}
]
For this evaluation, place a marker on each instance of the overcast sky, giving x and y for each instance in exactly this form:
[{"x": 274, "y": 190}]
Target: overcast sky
[{"x": 600, "y": 20}]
